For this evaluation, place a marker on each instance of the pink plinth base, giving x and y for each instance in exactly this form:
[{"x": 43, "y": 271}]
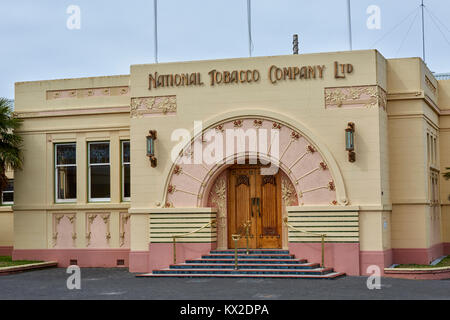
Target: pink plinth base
[
  {"x": 447, "y": 248},
  {"x": 343, "y": 257},
  {"x": 6, "y": 251},
  {"x": 382, "y": 259},
  {"x": 139, "y": 261},
  {"x": 418, "y": 255},
  {"x": 89, "y": 258},
  {"x": 161, "y": 254}
]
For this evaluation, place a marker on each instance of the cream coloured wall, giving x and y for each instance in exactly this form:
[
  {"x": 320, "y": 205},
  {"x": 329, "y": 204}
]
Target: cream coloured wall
[{"x": 49, "y": 121}]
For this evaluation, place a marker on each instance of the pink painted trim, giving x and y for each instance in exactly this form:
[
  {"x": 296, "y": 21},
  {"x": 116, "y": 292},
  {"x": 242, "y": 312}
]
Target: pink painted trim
[
  {"x": 343, "y": 257},
  {"x": 161, "y": 254},
  {"x": 6, "y": 250},
  {"x": 101, "y": 258},
  {"x": 419, "y": 274},
  {"x": 417, "y": 255},
  {"x": 446, "y": 248},
  {"x": 139, "y": 261},
  {"x": 382, "y": 259}
]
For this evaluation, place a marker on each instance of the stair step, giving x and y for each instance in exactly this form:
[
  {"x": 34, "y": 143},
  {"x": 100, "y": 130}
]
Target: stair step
[
  {"x": 329, "y": 276},
  {"x": 244, "y": 261},
  {"x": 252, "y": 251},
  {"x": 319, "y": 271},
  {"x": 259, "y": 263},
  {"x": 245, "y": 266},
  {"x": 248, "y": 256}
]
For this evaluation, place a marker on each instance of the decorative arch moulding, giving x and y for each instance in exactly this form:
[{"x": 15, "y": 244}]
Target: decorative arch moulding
[
  {"x": 355, "y": 97},
  {"x": 307, "y": 175},
  {"x": 154, "y": 105},
  {"x": 88, "y": 93}
]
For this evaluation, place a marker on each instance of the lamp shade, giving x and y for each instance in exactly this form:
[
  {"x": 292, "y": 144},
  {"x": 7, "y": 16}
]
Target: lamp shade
[{"x": 349, "y": 140}]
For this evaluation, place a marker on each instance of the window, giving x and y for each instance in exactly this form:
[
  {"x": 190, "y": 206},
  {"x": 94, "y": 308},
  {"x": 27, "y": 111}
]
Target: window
[
  {"x": 125, "y": 170},
  {"x": 65, "y": 172},
  {"x": 8, "y": 193},
  {"x": 99, "y": 171}
]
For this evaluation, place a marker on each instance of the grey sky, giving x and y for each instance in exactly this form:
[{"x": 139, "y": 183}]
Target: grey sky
[{"x": 37, "y": 45}]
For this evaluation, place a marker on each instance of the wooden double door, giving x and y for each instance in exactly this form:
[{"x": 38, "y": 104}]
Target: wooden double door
[{"x": 254, "y": 198}]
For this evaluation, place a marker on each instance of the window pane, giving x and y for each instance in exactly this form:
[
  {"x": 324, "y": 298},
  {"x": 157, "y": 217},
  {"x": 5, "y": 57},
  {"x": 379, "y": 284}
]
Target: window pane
[
  {"x": 9, "y": 186},
  {"x": 8, "y": 197},
  {"x": 126, "y": 181},
  {"x": 100, "y": 181},
  {"x": 66, "y": 154},
  {"x": 99, "y": 152},
  {"x": 67, "y": 182},
  {"x": 126, "y": 151}
]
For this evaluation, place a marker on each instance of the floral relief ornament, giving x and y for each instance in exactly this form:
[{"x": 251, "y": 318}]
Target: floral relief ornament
[{"x": 155, "y": 105}]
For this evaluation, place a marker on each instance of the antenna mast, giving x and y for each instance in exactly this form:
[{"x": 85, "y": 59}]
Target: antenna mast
[
  {"x": 249, "y": 21},
  {"x": 155, "y": 11},
  {"x": 349, "y": 16},
  {"x": 423, "y": 32}
]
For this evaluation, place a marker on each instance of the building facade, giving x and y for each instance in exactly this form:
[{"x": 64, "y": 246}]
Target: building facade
[{"x": 98, "y": 189}]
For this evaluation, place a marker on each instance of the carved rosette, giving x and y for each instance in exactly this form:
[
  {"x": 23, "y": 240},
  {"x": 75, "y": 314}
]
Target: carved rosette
[
  {"x": 157, "y": 105},
  {"x": 87, "y": 93}
]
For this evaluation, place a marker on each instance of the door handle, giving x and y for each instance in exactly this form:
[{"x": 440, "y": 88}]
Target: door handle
[
  {"x": 258, "y": 200},
  {"x": 252, "y": 205}
]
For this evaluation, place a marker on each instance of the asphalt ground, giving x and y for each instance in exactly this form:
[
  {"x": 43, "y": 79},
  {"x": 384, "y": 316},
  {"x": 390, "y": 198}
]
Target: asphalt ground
[{"x": 119, "y": 284}]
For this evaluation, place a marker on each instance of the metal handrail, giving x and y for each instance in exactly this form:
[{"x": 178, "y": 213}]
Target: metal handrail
[
  {"x": 322, "y": 235},
  {"x": 239, "y": 236},
  {"x": 174, "y": 237}
]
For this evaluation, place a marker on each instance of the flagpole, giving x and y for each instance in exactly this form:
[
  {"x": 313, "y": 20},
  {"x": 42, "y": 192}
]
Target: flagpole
[
  {"x": 155, "y": 11},
  {"x": 249, "y": 21},
  {"x": 349, "y": 17}
]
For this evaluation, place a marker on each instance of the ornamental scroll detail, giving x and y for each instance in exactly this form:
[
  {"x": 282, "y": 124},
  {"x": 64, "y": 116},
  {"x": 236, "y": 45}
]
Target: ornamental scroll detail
[
  {"x": 161, "y": 105},
  {"x": 355, "y": 97}
]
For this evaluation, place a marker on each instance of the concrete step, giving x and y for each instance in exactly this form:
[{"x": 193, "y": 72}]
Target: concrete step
[
  {"x": 318, "y": 271},
  {"x": 251, "y": 251},
  {"x": 329, "y": 276},
  {"x": 244, "y": 261},
  {"x": 245, "y": 266},
  {"x": 248, "y": 256}
]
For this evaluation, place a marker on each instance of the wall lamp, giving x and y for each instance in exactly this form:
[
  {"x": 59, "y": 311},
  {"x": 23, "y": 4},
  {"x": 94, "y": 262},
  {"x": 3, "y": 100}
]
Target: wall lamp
[
  {"x": 350, "y": 141},
  {"x": 151, "y": 147}
]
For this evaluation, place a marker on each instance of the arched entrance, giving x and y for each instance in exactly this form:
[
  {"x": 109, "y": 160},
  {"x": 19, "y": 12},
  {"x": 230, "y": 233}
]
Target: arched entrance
[{"x": 308, "y": 175}]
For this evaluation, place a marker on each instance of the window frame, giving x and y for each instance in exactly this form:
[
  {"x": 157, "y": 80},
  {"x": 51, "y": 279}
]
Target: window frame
[
  {"x": 89, "y": 164},
  {"x": 56, "y": 166},
  {"x": 8, "y": 203},
  {"x": 123, "y": 163}
]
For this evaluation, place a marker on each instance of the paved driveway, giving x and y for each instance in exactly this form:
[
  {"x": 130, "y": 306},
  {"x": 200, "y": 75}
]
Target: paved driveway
[{"x": 99, "y": 283}]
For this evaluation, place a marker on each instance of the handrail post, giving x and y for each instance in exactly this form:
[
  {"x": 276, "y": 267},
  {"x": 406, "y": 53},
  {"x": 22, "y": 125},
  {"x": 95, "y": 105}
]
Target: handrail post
[
  {"x": 235, "y": 254},
  {"x": 174, "y": 250},
  {"x": 247, "y": 235},
  {"x": 323, "y": 251}
]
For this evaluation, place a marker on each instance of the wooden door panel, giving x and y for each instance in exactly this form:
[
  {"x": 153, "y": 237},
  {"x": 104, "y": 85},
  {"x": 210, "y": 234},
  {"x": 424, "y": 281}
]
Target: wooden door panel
[
  {"x": 255, "y": 198},
  {"x": 240, "y": 190},
  {"x": 269, "y": 224}
]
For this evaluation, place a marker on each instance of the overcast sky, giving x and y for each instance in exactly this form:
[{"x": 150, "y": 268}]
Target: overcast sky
[{"x": 38, "y": 45}]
